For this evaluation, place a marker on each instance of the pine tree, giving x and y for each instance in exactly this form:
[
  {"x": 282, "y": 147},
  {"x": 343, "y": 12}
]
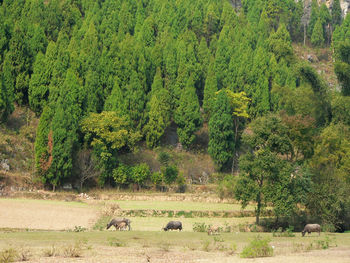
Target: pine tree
[
  {"x": 336, "y": 14},
  {"x": 6, "y": 100},
  {"x": 65, "y": 124},
  {"x": 317, "y": 38},
  {"x": 187, "y": 116},
  {"x": 159, "y": 112},
  {"x": 315, "y": 13},
  {"x": 221, "y": 131},
  {"x": 39, "y": 84},
  {"x": 210, "y": 88}
]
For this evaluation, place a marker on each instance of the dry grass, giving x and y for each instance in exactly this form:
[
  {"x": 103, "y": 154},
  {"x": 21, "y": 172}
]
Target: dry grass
[{"x": 53, "y": 215}]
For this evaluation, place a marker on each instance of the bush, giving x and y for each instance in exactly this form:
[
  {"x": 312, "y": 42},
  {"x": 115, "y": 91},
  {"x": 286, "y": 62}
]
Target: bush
[
  {"x": 258, "y": 247},
  {"x": 121, "y": 174},
  {"x": 181, "y": 183},
  {"x": 79, "y": 229},
  {"x": 24, "y": 254},
  {"x": 73, "y": 250},
  {"x": 226, "y": 188},
  {"x": 8, "y": 255},
  {"x": 102, "y": 222},
  {"x": 280, "y": 233},
  {"x": 200, "y": 227},
  {"x": 157, "y": 178},
  {"x": 50, "y": 252},
  {"x": 140, "y": 173},
  {"x": 164, "y": 158},
  {"x": 170, "y": 174}
]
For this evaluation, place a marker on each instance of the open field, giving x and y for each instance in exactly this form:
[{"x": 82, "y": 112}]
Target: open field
[
  {"x": 146, "y": 240},
  {"x": 179, "y": 205},
  {"x": 46, "y": 215},
  {"x": 136, "y": 246}
]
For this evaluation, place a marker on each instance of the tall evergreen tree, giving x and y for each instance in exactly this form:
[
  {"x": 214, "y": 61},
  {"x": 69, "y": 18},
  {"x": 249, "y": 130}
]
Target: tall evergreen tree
[
  {"x": 210, "y": 88},
  {"x": 159, "y": 112},
  {"x": 221, "y": 131},
  {"x": 336, "y": 14},
  {"x": 187, "y": 116},
  {"x": 65, "y": 124},
  {"x": 317, "y": 38}
]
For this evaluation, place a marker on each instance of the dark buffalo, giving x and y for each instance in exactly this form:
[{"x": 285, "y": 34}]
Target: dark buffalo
[
  {"x": 173, "y": 225},
  {"x": 119, "y": 223},
  {"x": 311, "y": 228}
]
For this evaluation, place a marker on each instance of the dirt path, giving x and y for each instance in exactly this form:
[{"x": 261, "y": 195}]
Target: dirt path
[{"x": 46, "y": 215}]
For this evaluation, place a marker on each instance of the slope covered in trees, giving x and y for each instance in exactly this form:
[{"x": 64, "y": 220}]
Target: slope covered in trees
[{"x": 106, "y": 76}]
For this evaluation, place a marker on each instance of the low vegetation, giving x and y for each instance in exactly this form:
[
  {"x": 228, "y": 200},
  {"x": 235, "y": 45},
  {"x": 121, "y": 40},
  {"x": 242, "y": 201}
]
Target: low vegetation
[{"x": 258, "y": 247}]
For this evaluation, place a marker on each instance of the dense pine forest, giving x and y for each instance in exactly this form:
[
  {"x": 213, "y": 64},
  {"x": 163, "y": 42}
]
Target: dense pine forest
[{"x": 107, "y": 77}]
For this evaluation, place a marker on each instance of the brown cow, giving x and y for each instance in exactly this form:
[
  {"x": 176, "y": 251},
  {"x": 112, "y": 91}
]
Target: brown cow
[{"x": 119, "y": 224}]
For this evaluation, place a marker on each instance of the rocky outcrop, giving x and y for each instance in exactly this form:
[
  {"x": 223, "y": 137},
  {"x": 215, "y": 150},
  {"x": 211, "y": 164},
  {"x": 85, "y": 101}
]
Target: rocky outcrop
[{"x": 345, "y": 6}]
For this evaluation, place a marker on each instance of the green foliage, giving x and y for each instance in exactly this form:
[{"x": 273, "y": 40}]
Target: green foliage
[
  {"x": 6, "y": 99},
  {"x": 107, "y": 133},
  {"x": 342, "y": 66},
  {"x": 221, "y": 135},
  {"x": 200, "y": 227},
  {"x": 330, "y": 165},
  {"x": 336, "y": 13},
  {"x": 157, "y": 178},
  {"x": 164, "y": 158},
  {"x": 140, "y": 173},
  {"x": 317, "y": 38},
  {"x": 287, "y": 233},
  {"x": 170, "y": 174},
  {"x": 187, "y": 116},
  {"x": 258, "y": 247},
  {"x": 121, "y": 175},
  {"x": 159, "y": 113},
  {"x": 226, "y": 187},
  {"x": 265, "y": 176}
]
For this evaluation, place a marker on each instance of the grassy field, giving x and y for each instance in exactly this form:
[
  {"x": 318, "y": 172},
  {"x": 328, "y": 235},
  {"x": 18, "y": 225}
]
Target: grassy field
[
  {"x": 136, "y": 246},
  {"x": 180, "y": 205},
  {"x": 146, "y": 242}
]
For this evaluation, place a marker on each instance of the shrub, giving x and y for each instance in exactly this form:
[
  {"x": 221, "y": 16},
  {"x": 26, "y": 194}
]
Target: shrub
[
  {"x": 170, "y": 174},
  {"x": 181, "y": 183},
  {"x": 164, "y": 158},
  {"x": 50, "y": 252},
  {"x": 206, "y": 245},
  {"x": 328, "y": 228},
  {"x": 258, "y": 247},
  {"x": 200, "y": 227},
  {"x": 140, "y": 173},
  {"x": 226, "y": 188},
  {"x": 157, "y": 178},
  {"x": 121, "y": 174},
  {"x": 102, "y": 222},
  {"x": 8, "y": 255},
  {"x": 73, "y": 250},
  {"x": 280, "y": 233},
  {"x": 79, "y": 229},
  {"x": 24, "y": 254}
]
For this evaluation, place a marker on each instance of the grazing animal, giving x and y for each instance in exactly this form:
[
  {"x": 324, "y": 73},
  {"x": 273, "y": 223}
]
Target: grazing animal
[
  {"x": 119, "y": 223},
  {"x": 311, "y": 228},
  {"x": 213, "y": 229},
  {"x": 173, "y": 225}
]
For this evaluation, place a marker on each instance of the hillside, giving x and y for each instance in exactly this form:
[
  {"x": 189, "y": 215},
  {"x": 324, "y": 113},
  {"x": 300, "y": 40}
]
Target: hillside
[{"x": 161, "y": 95}]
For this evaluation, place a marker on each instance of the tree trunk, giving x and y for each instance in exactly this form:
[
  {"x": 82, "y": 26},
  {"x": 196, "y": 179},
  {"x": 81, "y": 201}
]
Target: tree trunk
[
  {"x": 304, "y": 34},
  {"x": 258, "y": 209}
]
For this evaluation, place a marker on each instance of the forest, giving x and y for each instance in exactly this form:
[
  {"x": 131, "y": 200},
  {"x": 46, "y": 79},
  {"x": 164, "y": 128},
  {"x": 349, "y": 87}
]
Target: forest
[{"x": 109, "y": 76}]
